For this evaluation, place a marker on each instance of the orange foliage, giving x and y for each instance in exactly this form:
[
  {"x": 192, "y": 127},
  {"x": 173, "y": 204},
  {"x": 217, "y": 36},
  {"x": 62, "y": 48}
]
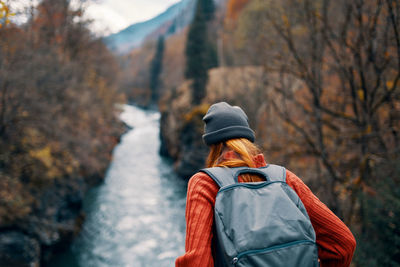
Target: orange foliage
[
  {"x": 235, "y": 7},
  {"x": 5, "y": 14}
]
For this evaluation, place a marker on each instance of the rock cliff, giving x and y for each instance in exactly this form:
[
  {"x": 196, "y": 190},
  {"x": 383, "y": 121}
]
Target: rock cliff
[
  {"x": 43, "y": 220},
  {"x": 54, "y": 221},
  {"x": 182, "y": 125}
]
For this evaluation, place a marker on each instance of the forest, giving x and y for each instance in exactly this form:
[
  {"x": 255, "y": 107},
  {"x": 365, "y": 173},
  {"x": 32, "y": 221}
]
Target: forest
[
  {"x": 320, "y": 83},
  {"x": 57, "y": 124},
  {"x": 318, "y": 79}
]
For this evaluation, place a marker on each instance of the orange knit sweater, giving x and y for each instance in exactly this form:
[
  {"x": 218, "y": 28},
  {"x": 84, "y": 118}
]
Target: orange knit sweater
[{"x": 336, "y": 243}]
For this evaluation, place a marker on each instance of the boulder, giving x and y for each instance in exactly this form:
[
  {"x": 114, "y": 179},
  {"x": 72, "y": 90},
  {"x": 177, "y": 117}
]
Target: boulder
[{"x": 18, "y": 249}]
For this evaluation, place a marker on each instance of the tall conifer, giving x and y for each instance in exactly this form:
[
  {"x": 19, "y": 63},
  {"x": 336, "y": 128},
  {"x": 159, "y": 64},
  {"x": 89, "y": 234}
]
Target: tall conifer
[
  {"x": 155, "y": 69},
  {"x": 200, "y": 53}
]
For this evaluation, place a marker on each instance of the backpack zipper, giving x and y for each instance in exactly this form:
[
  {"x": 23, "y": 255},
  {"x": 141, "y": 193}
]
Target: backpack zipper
[{"x": 236, "y": 259}]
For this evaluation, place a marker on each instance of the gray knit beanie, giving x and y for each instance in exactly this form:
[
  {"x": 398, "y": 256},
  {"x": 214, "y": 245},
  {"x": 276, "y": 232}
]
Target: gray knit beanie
[{"x": 223, "y": 122}]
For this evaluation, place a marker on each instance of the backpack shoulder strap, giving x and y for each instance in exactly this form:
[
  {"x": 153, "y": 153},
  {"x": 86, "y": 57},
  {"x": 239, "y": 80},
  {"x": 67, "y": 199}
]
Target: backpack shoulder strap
[{"x": 221, "y": 175}]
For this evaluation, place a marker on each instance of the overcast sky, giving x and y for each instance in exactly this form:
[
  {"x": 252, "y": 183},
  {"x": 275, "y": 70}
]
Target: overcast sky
[
  {"x": 109, "y": 15},
  {"x": 113, "y": 15}
]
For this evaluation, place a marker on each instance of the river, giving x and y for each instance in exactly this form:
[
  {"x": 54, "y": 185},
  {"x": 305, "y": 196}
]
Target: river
[{"x": 136, "y": 217}]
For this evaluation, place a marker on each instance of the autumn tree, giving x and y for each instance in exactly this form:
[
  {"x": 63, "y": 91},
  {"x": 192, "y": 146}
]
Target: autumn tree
[
  {"x": 235, "y": 7},
  {"x": 5, "y": 14}
]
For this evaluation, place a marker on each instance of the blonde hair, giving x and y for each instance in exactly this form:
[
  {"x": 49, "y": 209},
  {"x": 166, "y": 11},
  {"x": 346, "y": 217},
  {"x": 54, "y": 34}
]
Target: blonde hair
[{"x": 245, "y": 151}]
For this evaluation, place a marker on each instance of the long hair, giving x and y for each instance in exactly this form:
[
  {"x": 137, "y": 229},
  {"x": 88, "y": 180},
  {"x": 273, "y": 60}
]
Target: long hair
[{"x": 245, "y": 151}]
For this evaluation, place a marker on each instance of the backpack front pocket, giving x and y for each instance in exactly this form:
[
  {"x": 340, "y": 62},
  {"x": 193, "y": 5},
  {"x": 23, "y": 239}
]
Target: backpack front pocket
[{"x": 291, "y": 254}]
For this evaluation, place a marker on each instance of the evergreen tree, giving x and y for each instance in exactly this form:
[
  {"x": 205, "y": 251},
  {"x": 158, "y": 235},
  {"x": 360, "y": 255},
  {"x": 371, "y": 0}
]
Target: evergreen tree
[
  {"x": 379, "y": 237},
  {"x": 155, "y": 69},
  {"x": 207, "y": 8},
  {"x": 200, "y": 52}
]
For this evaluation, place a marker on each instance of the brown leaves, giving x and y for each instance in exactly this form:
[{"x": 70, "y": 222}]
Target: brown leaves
[{"x": 235, "y": 7}]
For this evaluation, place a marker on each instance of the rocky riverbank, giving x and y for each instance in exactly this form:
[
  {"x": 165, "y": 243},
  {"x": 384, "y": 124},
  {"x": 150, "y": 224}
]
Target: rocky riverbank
[
  {"x": 53, "y": 222},
  {"x": 41, "y": 202}
]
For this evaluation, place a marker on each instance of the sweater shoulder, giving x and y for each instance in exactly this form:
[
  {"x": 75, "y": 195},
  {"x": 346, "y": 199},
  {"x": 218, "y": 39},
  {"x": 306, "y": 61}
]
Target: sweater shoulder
[
  {"x": 294, "y": 181},
  {"x": 201, "y": 177},
  {"x": 202, "y": 182}
]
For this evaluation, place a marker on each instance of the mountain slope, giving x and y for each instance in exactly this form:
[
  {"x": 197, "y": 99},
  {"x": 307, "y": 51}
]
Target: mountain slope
[{"x": 174, "y": 19}]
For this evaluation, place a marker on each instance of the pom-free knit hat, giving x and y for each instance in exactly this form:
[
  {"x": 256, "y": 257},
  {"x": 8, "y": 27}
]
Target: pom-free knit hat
[{"x": 223, "y": 122}]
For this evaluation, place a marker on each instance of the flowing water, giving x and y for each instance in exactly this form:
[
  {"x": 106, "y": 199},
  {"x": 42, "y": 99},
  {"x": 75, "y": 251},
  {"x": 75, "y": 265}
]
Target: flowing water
[{"x": 136, "y": 217}]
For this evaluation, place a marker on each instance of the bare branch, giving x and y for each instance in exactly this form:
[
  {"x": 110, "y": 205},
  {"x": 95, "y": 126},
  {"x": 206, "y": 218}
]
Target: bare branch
[{"x": 309, "y": 140}]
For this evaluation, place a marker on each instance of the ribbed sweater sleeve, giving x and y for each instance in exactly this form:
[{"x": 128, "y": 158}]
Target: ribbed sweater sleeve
[
  {"x": 200, "y": 202},
  {"x": 336, "y": 243}
]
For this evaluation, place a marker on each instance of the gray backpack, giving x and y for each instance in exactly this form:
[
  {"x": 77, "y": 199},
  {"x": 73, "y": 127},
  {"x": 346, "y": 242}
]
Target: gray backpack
[{"x": 262, "y": 223}]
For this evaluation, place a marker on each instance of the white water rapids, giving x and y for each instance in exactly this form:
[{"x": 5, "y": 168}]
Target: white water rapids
[{"x": 136, "y": 217}]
